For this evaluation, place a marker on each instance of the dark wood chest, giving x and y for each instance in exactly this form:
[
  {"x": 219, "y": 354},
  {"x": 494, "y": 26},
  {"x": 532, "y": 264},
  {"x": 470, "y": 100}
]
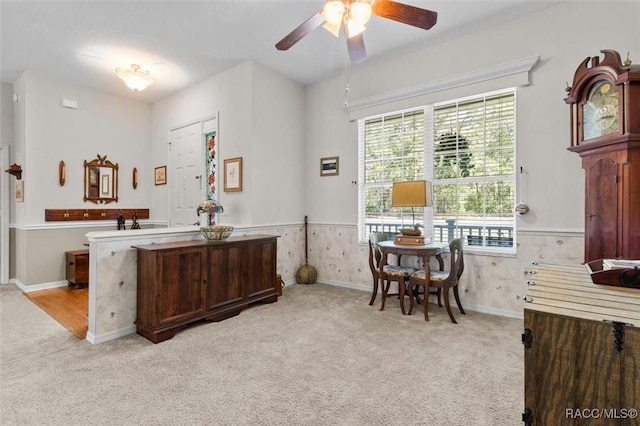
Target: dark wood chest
[{"x": 581, "y": 350}]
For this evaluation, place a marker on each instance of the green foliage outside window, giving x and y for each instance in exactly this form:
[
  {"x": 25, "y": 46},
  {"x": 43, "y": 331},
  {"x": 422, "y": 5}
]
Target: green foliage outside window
[
  {"x": 473, "y": 159},
  {"x": 394, "y": 151}
]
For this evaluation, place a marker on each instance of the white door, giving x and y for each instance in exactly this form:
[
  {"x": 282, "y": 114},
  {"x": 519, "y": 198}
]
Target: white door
[{"x": 187, "y": 190}]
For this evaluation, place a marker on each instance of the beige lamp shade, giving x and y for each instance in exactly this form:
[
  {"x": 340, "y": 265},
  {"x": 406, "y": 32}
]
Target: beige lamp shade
[{"x": 415, "y": 193}]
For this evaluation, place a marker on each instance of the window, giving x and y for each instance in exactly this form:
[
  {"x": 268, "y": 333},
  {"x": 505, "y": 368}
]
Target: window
[
  {"x": 391, "y": 149},
  {"x": 473, "y": 170},
  {"x": 468, "y": 152}
]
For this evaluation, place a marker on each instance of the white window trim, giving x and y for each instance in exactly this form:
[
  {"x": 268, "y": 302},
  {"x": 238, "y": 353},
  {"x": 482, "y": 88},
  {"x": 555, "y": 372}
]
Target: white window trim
[
  {"x": 486, "y": 250},
  {"x": 429, "y": 170},
  {"x": 519, "y": 71}
]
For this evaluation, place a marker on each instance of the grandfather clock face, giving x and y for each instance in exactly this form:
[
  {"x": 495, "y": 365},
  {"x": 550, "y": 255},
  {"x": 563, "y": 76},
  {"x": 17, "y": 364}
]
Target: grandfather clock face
[{"x": 600, "y": 113}]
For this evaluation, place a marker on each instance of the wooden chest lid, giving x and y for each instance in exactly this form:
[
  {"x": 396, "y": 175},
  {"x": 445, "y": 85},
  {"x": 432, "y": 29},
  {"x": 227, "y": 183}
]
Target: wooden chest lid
[{"x": 568, "y": 290}]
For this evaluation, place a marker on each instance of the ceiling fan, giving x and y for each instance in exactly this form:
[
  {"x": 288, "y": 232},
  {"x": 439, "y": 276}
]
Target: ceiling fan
[{"x": 352, "y": 16}]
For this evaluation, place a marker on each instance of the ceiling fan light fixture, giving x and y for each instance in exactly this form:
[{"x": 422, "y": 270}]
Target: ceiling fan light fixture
[
  {"x": 360, "y": 12},
  {"x": 333, "y": 12},
  {"x": 352, "y": 16},
  {"x": 333, "y": 29},
  {"x": 135, "y": 78},
  {"x": 353, "y": 28}
]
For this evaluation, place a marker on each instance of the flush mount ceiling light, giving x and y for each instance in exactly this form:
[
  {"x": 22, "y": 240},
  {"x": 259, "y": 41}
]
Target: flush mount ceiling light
[{"x": 135, "y": 78}]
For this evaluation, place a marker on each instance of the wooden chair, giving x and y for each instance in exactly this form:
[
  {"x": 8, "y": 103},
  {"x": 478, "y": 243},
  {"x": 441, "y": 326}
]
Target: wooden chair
[
  {"x": 441, "y": 281},
  {"x": 374, "y": 261},
  {"x": 399, "y": 274}
]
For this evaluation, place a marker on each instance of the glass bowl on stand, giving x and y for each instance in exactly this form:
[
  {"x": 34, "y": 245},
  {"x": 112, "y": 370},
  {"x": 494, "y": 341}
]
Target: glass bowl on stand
[{"x": 216, "y": 232}]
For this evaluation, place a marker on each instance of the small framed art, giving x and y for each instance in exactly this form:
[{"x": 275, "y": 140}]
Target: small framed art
[
  {"x": 233, "y": 174},
  {"x": 160, "y": 175},
  {"x": 329, "y": 166}
]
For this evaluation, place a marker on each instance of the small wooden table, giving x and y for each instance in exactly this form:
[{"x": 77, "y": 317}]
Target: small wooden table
[
  {"x": 426, "y": 252},
  {"x": 77, "y": 267}
]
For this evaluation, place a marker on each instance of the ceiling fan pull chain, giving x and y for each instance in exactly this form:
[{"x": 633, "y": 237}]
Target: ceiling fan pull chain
[
  {"x": 346, "y": 86},
  {"x": 346, "y": 95}
]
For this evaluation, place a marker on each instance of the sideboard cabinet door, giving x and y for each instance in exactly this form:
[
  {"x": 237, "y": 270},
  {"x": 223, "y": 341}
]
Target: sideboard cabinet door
[
  {"x": 261, "y": 269},
  {"x": 240, "y": 273},
  {"x": 170, "y": 290},
  {"x": 226, "y": 278}
]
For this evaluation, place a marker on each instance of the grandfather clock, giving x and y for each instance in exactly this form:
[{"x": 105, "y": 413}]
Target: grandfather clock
[{"x": 605, "y": 132}]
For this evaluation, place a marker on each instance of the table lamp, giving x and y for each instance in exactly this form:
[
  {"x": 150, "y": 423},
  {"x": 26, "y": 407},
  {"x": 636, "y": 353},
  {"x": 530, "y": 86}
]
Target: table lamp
[{"x": 416, "y": 193}]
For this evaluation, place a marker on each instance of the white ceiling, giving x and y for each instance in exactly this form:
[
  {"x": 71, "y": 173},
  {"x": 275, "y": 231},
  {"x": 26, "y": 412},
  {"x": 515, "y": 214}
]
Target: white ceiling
[{"x": 184, "y": 42}]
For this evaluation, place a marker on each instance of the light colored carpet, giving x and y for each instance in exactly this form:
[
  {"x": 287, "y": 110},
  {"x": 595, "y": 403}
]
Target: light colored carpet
[{"x": 319, "y": 356}]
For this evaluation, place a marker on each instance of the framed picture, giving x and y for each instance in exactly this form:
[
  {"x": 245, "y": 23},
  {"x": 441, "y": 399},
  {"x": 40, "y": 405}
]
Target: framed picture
[
  {"x": 160, "y": 175},
  {"x": 329, "y": 166},
  {"x": 19, "y": 191},
  {"x": 233, "y": 174}
]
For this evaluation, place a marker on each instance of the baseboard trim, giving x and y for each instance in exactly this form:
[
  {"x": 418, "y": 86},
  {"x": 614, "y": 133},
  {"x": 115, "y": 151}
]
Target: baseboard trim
[
  {"x": 494, "y": 311},
  {"x": 97, "y": 339},
  {"x": 37, "y": 287},
  {"x": 94, "y": 339},
  {"x": 475, "y": 308}
]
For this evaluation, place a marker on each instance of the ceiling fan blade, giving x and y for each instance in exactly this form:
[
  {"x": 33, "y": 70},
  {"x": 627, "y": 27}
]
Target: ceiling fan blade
[
  {"x": 305, "y": 28},
  {"x": 355, "y": 46},
  {"x": 411, "y": 15}
]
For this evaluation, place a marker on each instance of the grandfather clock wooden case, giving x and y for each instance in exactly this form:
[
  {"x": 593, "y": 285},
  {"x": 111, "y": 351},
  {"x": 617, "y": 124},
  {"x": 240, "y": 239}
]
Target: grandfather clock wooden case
[
  {"x": 582, "y": 340},
  {"x": 605, "y": 131}
]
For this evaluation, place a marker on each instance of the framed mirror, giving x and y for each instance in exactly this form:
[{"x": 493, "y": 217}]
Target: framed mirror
[{"x": 100, "y": 180}]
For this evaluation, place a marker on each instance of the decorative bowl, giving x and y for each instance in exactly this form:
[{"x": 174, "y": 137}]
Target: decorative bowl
[{"x": 218, "y": 232}]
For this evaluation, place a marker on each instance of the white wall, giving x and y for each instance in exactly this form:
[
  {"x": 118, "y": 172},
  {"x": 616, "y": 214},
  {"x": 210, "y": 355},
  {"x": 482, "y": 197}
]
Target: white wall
[
  {"x": 561, "y": 36},
  {"x": 228, "y": 94},
  {"x": 261, "y": 120},
  {"x": 282, "y": 129},
  {"x": 6, "y": 139},
  {"x": 103, "y": 124},
  {"x": 275, "y": 172},
  {"x": 45, "y": 134},
  {"x": 6, "y": 114}
]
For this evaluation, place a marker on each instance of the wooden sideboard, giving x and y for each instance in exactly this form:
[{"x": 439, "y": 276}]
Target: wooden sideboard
[
  {"x": 581, "y": 349},
  {"x": 183, "y": 282}
]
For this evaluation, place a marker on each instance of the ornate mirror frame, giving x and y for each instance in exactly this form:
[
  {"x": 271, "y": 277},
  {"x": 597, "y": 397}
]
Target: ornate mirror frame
[{"x": 100, "y": 180}]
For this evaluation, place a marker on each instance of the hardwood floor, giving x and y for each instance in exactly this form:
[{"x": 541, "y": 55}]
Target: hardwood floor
[{"x": 69, "y": 306}]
